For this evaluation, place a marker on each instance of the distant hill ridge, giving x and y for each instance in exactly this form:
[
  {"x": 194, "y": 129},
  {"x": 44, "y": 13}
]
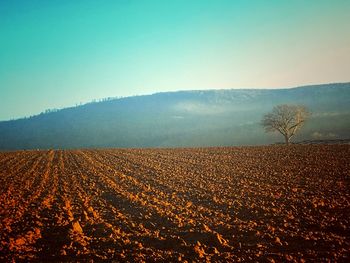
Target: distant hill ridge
[
  {"x": 181, "y": 119},
  {"x": 336, "y": 141}
]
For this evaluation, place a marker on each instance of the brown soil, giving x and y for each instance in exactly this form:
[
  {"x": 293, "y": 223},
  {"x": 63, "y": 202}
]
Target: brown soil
[{"x": 264, "y": 204}]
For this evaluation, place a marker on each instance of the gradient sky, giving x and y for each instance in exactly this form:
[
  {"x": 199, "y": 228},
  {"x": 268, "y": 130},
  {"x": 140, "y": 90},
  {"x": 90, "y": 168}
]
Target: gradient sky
[{"x": 57, "y": 53}]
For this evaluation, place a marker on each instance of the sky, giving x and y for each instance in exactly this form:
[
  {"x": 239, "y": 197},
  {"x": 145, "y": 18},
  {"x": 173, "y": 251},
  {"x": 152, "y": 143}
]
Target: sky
[{"x": 58, "y": 53}]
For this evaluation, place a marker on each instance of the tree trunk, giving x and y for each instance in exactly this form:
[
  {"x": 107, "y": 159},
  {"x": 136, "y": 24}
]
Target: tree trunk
[{"x": 287, "y": 139}]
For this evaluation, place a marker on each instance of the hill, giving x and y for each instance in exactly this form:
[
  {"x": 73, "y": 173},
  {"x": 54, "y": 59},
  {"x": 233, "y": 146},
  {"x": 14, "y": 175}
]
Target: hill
[{"x": 181, "y": 119}]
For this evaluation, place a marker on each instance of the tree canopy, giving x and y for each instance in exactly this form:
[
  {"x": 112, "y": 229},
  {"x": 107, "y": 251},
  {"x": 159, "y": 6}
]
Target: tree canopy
[{"x": 286, "y": 119}]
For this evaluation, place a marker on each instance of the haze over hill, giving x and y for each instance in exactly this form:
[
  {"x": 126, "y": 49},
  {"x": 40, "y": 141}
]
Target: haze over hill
[{"x": 181, "y": 119}]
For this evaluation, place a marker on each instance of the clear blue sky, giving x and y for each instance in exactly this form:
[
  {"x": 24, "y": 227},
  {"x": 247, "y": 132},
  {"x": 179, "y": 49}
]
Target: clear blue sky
[{"x": 58, "y": 53}]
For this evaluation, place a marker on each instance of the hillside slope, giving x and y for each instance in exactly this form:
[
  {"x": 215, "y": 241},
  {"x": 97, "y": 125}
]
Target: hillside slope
[{"x": 181, "y": 119}]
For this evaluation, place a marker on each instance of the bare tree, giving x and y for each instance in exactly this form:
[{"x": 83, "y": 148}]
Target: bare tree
[{"x": 286, "y": 119}]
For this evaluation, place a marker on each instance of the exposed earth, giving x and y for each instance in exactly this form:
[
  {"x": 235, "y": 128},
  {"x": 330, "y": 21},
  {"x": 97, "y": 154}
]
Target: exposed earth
[{"x": 269, "y": 203}]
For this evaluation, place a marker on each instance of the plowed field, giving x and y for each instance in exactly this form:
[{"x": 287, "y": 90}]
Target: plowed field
[{"x": 270, "y": 203}]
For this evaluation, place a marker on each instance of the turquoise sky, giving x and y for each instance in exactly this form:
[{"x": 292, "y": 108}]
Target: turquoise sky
[{"x": 58, "y": 53}]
